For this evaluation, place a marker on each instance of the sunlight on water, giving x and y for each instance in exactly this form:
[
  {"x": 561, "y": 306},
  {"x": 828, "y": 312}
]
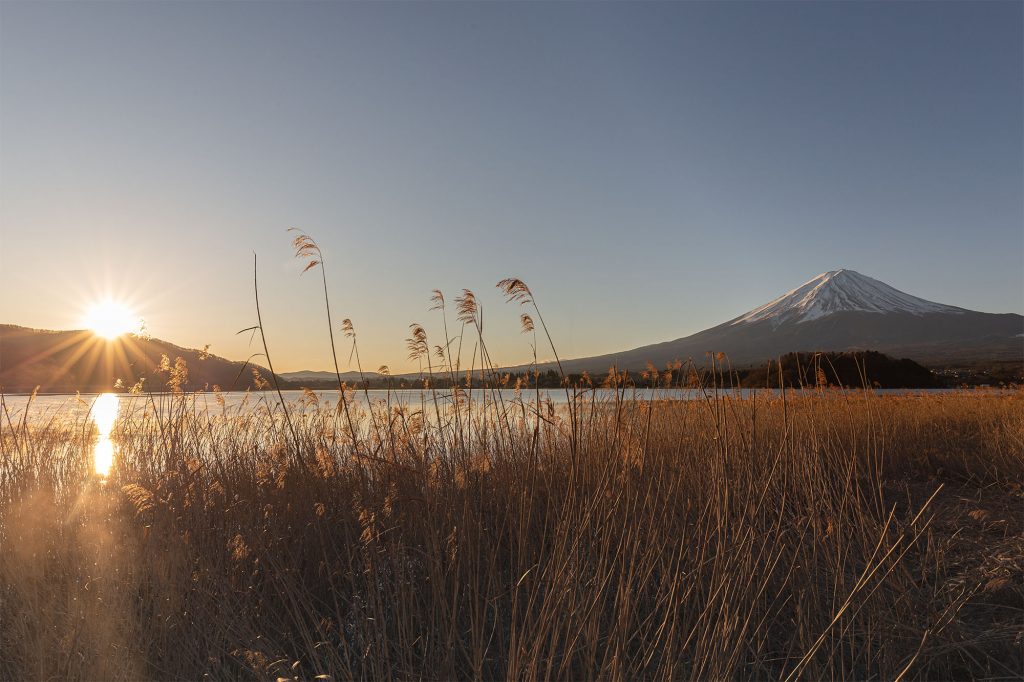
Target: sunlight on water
[{"x": 104, "y": 414}]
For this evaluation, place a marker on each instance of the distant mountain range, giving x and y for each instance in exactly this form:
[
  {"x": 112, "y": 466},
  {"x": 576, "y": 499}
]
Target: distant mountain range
[
  {"x": 316, "y": 376},
  {"x": 836, "y": 311},
  {"x": 840, "y": 310},
  {"x": 69, "y": 361}
]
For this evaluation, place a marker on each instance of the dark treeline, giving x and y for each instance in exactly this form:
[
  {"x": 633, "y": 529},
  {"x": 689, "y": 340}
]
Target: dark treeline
[
  {"x": 851, "y": 370},
  {"x": 794, "y": 370}
]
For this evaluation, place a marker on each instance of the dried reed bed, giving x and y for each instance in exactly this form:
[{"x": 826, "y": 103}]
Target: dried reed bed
[{"x": 833, "y": 535}]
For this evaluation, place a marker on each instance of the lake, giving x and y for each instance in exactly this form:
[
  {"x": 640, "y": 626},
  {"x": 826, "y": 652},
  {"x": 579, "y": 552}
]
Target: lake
[{"x": 49, "y": 406}]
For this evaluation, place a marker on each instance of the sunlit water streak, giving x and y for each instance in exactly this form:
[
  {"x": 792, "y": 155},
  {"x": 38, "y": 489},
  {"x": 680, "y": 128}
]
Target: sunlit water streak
[{"x": 103, "y": 414}]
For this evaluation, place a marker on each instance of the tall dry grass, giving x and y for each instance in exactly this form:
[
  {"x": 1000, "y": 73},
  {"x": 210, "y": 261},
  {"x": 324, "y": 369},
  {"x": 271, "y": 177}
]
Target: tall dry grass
[{"x": 833, "y": 535}]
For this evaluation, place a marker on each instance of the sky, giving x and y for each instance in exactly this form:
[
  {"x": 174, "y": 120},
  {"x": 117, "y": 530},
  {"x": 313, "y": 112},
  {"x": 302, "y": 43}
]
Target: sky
[{"x": 649, "y": 169}]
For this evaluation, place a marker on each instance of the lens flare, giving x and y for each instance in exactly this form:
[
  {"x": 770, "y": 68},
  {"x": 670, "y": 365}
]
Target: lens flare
[
  {"x": 103, "y": 414},
  {"x": 110, "y": 319}
]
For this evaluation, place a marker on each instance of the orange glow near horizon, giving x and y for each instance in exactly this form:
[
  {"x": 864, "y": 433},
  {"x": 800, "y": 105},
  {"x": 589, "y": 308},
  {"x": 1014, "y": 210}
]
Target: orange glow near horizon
[{"x": 110, "y": 319}]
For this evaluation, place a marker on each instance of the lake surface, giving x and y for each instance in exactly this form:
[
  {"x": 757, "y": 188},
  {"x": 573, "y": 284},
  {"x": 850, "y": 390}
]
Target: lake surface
[
  {"x": 107, "y": 409},
  {"x": 50, "y": 406}
]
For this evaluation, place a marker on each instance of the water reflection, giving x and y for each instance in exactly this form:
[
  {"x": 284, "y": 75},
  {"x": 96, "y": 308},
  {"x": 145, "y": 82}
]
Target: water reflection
[{"x": 104, "y": 413}]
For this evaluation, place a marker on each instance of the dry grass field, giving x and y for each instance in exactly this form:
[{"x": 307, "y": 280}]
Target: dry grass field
[{"x": 831, "y": 535}]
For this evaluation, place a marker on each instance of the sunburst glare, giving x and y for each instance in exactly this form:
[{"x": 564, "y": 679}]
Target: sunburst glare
[{"x": 110, "y": 319}]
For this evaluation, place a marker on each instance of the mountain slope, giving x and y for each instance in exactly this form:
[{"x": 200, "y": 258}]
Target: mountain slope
[
  {"x": 840, "y": 310},
  {"x": 68, "y": 361}
]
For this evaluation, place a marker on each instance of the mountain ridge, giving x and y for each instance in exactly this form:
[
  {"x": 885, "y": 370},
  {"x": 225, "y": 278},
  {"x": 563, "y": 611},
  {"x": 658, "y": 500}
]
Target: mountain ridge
[{"x": 838, "y": 310}]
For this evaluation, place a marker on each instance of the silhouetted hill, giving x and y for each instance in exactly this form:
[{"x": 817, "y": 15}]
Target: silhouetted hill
[
  {"x": 852, "y": 370},
  {"x": 69, "y": 361}
]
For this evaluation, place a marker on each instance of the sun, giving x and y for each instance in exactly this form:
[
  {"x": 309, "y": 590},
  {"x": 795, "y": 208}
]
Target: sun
[{"x": 110, "y": 319}]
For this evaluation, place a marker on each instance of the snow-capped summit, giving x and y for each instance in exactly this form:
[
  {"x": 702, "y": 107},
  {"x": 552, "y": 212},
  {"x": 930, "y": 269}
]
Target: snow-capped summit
[{"x": 841, "y": 291}]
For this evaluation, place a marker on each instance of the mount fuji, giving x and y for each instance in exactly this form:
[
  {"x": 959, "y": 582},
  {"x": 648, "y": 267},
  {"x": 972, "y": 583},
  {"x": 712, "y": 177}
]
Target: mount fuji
[
  {"x": 841, "y": 291},
  {"x": 840, "y": 310}
]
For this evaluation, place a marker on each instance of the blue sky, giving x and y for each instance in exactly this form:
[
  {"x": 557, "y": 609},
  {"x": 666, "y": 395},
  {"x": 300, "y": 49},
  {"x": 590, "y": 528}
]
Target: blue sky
[{"x": 650, "y": 169}]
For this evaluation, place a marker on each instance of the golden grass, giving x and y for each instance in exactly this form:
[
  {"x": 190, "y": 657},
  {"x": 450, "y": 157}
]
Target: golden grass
[{"x": 834, "y": 535}]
